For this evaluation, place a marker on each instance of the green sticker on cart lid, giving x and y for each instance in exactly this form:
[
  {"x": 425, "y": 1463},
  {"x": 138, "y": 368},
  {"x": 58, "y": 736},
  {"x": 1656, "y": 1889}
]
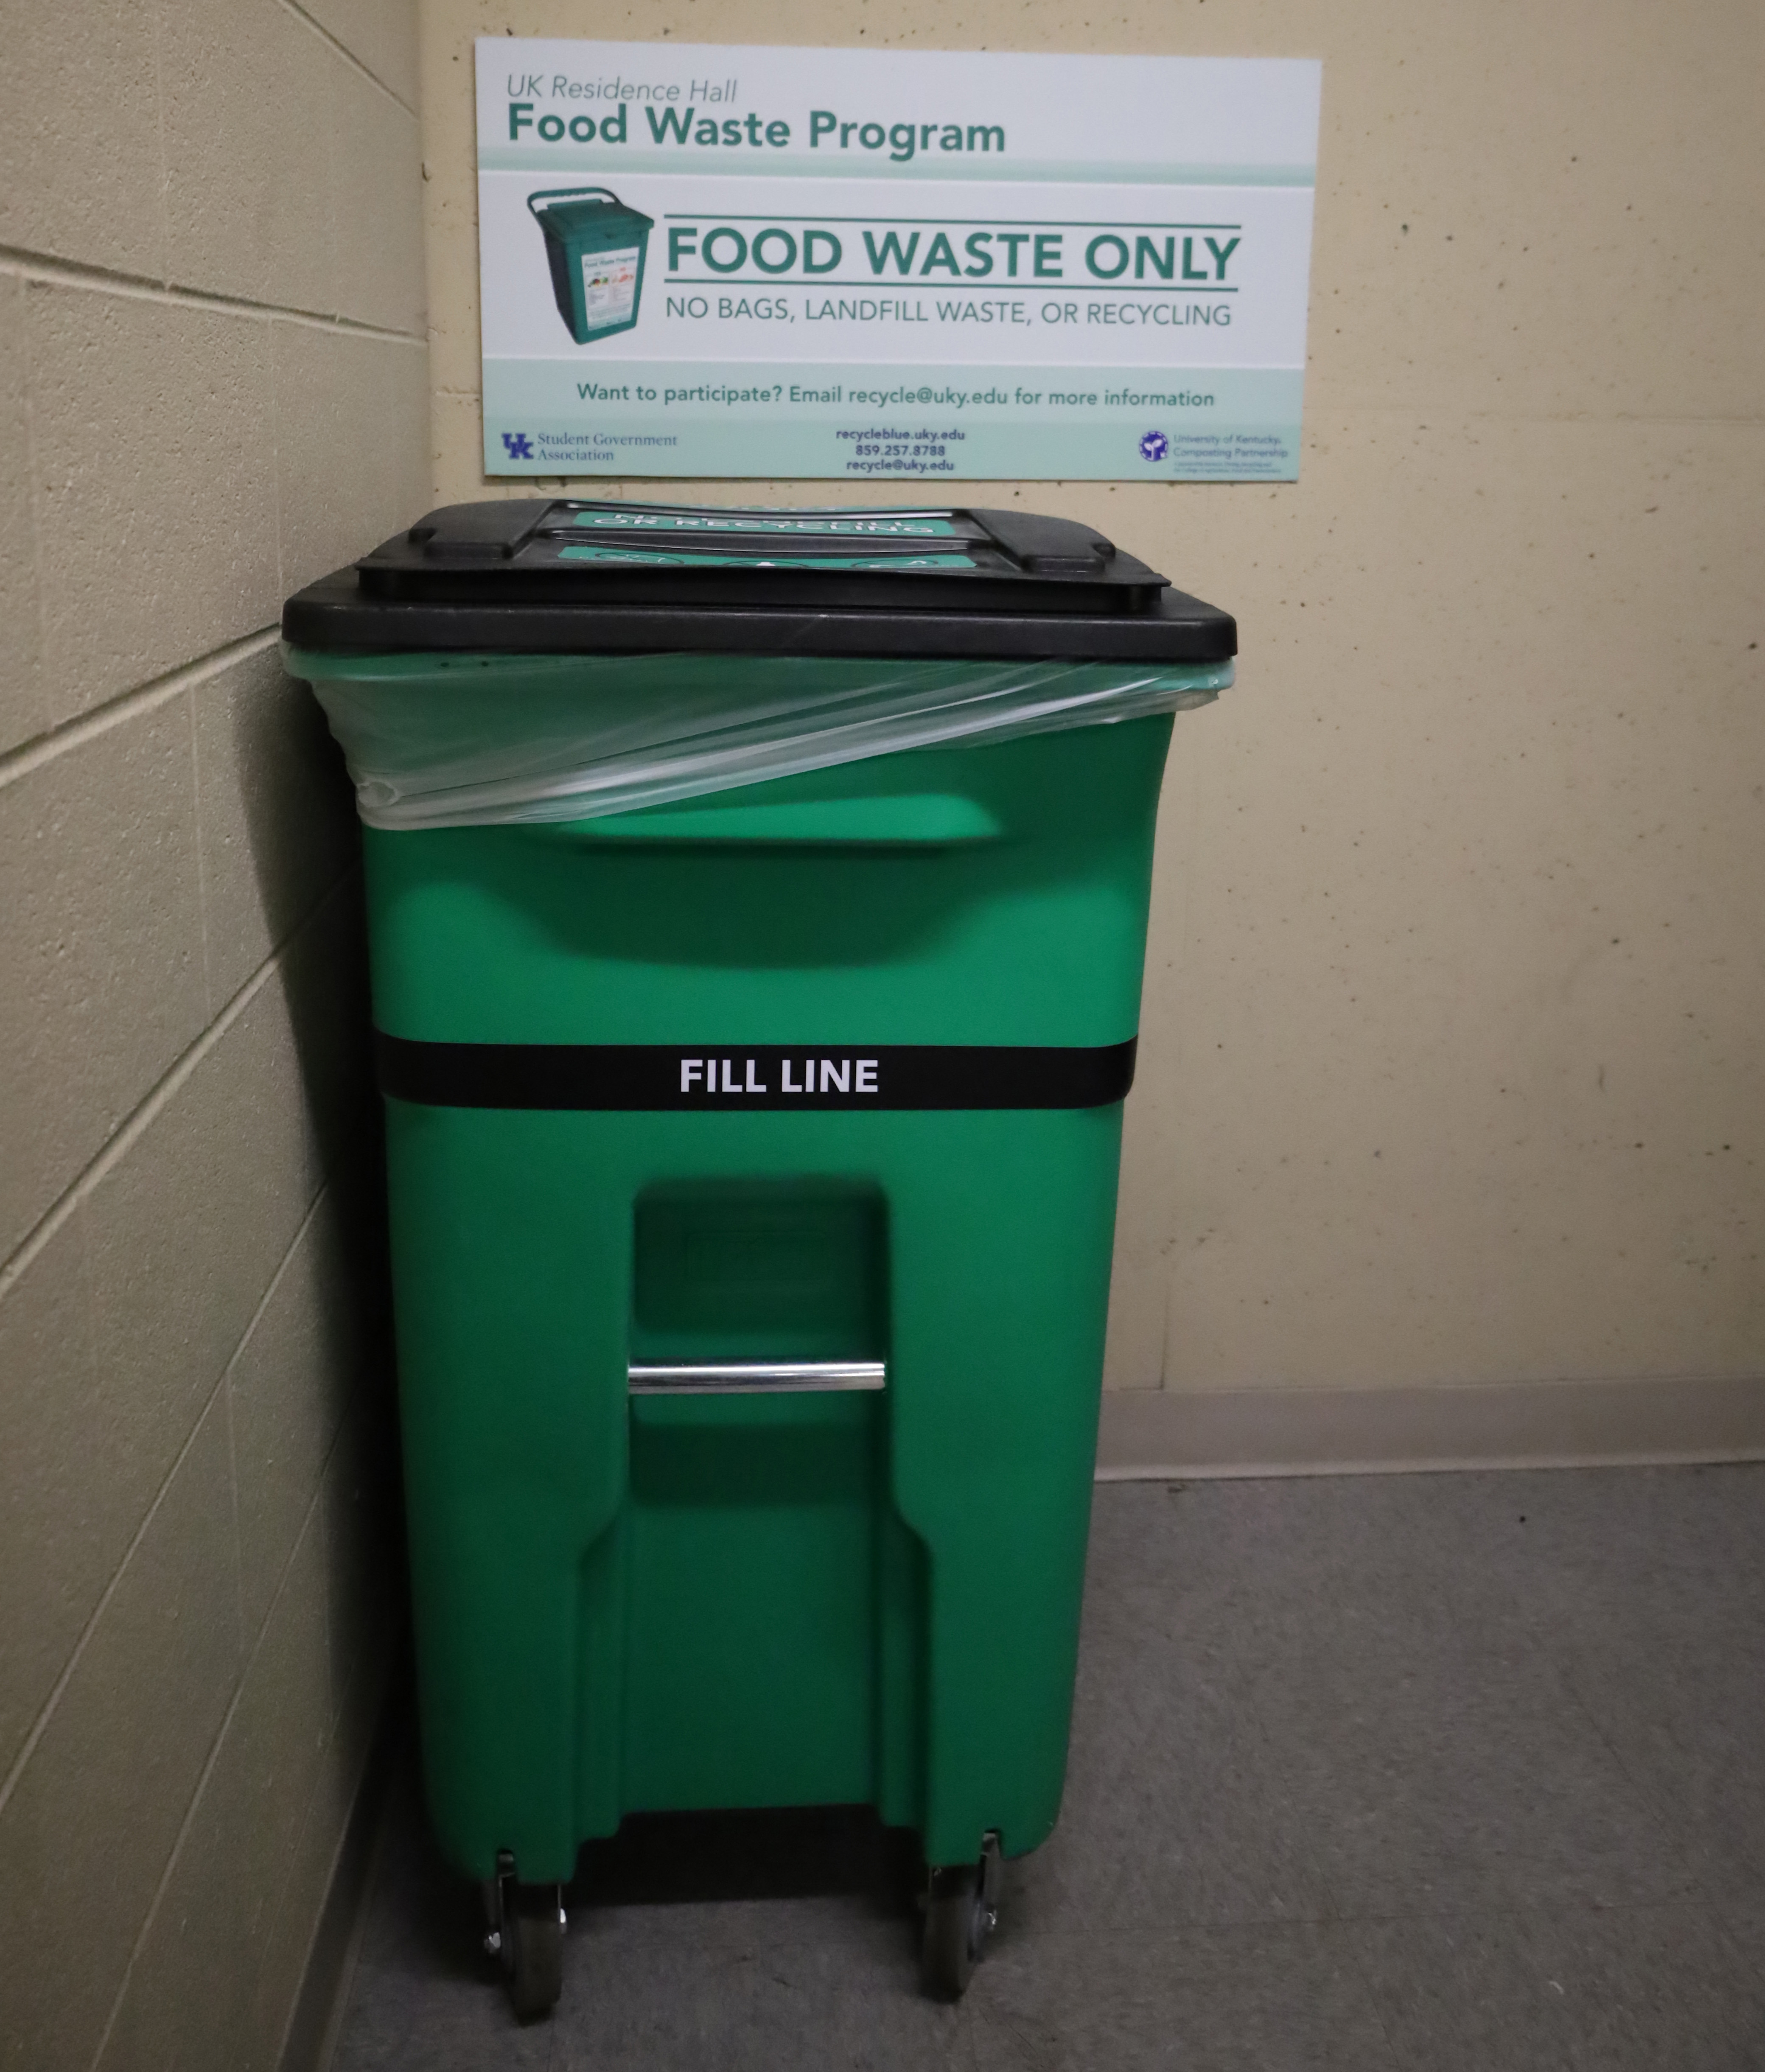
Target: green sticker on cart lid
[
  {"x": 639, "y": 557},
  {"x": 815, "y": 525}
]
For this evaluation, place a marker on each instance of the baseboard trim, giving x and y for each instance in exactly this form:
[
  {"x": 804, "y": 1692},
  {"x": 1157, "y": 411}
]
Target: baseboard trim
[{"x": 1148, "y": 1434}]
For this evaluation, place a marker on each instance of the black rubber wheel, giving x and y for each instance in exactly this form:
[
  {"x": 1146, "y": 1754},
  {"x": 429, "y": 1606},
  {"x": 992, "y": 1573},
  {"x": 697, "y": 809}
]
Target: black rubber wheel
[
  {"x": 533, "y": 1950},
  {"x": 955, "y": 1925}
]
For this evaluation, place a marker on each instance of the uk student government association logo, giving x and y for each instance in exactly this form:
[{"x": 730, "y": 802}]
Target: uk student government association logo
[
  {"x": 1153, "y": 446},
  {"x": 518, "y": 445}
]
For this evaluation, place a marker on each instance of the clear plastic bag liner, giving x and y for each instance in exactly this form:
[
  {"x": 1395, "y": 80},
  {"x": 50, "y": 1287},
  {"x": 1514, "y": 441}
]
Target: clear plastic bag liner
[{"x": 456, "y": 741}]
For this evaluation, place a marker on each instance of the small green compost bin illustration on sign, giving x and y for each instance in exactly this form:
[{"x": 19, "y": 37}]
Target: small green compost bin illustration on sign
[{"x": 595, "y": 246}]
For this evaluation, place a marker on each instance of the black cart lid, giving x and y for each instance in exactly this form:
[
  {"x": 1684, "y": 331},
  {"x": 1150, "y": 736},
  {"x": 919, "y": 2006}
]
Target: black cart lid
[{"x": 566, "y": 575}]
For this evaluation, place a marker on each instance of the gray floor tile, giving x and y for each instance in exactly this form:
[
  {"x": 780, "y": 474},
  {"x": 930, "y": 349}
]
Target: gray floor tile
[
  {"x": 404, "y": 2021},
  {"x": 1231, "y": 1999},
  {"x": 1417, "y": 1771},
  {"x": 1682, "y": 1701},
  {"x": 1633, "y": 1990},
  {"x": 1741, "y": 2002},
  {"x": 751, "y": 1986},
  {"x": 1435, "y": 1751},
  {"x": 1440, "y": 1777},
  {"x": 1175, "y": 1811},
  {"x": 1612, "y": 1545}
]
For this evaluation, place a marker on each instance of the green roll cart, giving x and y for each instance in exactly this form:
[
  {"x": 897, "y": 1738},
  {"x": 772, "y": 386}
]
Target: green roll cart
[
  {"x": 757, "y": 906},
  {"x": 595, "y": 247}
]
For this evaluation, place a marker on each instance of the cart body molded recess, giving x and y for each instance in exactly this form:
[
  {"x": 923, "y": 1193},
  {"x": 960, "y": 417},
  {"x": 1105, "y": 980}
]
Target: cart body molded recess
[{"x": 631, "y": 1602}]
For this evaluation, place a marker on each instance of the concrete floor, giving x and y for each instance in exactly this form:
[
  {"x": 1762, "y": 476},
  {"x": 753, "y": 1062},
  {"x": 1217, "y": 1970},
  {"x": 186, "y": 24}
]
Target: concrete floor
[{"x": 1430, "y": 1771}]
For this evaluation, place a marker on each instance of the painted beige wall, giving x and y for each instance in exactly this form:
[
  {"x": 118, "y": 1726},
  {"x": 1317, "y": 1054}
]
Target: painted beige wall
[
  {"x": 212, "y": 388},
  {"x": 1451, "y": 1072}
]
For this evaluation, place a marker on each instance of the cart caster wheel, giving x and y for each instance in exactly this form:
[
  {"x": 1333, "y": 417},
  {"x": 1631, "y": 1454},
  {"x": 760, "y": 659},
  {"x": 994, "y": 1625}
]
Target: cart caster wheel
[
  {"x": 535, "y": 1965},
  {"x": 527, "y": 1941},
  {"x": 962, "y": 1907}
]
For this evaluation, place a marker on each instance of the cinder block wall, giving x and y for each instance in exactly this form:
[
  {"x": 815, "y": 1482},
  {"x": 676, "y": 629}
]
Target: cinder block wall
[{"x": 213, "y": 386}]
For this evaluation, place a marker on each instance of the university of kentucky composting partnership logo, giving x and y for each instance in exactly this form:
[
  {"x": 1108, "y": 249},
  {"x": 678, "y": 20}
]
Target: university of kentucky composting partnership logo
[{"x": 1153, "y": 446}]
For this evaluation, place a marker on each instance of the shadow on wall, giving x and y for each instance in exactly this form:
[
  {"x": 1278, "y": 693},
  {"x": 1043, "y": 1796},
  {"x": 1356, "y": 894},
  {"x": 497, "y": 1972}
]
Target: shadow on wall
[
  {"x": 300, "y": 824},
  {"x": 298, "y": 801}
]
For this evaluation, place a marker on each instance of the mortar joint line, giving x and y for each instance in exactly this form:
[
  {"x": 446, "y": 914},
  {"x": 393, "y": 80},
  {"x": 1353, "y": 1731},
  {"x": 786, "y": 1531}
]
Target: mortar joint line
[
  {"x": 162, "y": 199},
  {"x": 213, "y": 1756},
  {"x": 39, "y": 266},
  {"x": 348, "y": 56},
  {"x": 153, "y": 1103},
  {"x": 197, "y": 819},
  {"x": 33, "y": 498},
  {"x": 139, "y": 698},
  {"x": 276, "y": 1279},
  {"x": 46, "y": 1713}
]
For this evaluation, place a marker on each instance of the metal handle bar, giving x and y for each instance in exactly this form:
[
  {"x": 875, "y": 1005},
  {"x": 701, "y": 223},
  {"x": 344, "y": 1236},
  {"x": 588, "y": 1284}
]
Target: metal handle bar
[{"x": 753, "y": 1377}]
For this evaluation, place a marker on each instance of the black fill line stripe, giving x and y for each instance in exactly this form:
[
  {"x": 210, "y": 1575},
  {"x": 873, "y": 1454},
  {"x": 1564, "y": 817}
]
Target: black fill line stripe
[{"x": 721, "y": 1078}]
